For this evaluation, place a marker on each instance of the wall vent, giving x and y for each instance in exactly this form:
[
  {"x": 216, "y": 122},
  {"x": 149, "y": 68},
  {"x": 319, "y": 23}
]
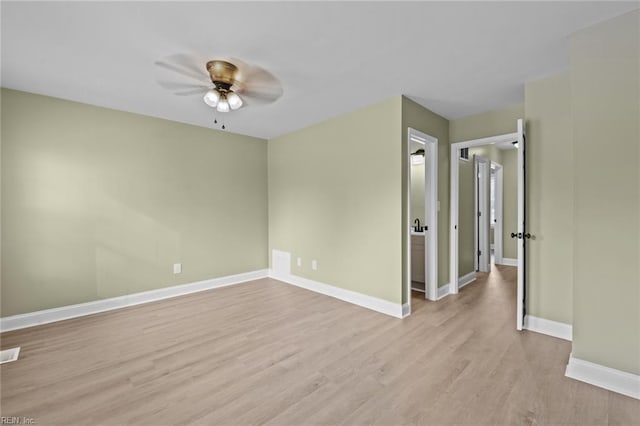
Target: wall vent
[
  {"x": 281, "y": 262},
  {"x": 464, "y": 154}
]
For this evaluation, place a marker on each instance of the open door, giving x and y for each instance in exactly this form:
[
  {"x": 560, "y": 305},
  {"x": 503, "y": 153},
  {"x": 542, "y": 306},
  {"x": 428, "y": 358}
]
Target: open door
[
  {"x": 482, "y": 170},
  {"x": 522, "y": 235}
]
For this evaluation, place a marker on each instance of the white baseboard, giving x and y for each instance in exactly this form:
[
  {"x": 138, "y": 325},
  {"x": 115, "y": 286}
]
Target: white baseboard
[
  {"x": 406, "y": 310},
  {"x": 548, "y": 327},
  {"x": 383, "y": 306},
  {"x": 444, "y": 290},
  {"x": 46, "y": 316},
  {"x": 608, "y": 378},
  {"x": 466, "y": 279},
  {"x": 508, "y": 262}
]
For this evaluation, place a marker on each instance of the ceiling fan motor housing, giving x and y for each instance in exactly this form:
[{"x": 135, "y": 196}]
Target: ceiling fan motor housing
[{"x": 223, "y": 74}]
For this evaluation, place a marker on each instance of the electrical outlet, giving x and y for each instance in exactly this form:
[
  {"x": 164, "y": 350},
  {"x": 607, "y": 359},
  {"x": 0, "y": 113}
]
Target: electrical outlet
[
  {"x": 314, "y": 265},
  {"x": 299, "y": 262},
  {"x": 177, "y": 268}
]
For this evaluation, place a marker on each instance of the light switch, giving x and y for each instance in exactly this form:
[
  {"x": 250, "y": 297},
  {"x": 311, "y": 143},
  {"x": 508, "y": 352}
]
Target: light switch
[{"x": 177, "y": 268}]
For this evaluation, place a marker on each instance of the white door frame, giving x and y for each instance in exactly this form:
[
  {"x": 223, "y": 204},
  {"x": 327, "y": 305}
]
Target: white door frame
[
  {"x": 522, "y": 234},
  {"x": 431, "y": 214},
  {"x": 453, "y": 198},
  {"x": 498, "y": 226},
  {"x": 481, "y": 207}
]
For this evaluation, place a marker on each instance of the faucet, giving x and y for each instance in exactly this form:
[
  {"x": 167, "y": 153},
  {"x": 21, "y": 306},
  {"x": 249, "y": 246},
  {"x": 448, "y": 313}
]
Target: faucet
[{"x": 418, "y": 228}]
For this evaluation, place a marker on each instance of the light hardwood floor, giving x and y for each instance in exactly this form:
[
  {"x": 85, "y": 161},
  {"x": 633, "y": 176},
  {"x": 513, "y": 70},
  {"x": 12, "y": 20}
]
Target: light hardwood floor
[{"x": 268, "y": 352}]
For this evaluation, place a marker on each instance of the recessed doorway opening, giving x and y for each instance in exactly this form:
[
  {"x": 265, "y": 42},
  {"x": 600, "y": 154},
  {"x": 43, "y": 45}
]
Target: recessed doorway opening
[{"x": 421, "y": 215}]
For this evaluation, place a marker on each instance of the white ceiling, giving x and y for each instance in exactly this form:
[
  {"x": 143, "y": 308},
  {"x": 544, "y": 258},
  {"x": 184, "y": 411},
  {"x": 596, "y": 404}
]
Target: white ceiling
[{"x": 456, "y": 59}]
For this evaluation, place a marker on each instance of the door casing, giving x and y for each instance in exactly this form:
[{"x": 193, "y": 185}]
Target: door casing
[{"x": 431, "y": 214}]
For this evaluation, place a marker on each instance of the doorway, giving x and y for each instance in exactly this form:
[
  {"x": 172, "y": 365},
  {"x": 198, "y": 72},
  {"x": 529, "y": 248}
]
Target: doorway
[
  {"x": 421, "y": 215},
  {"x": 482, "y": 228},
  {"x": 517, "y": 139},
  {"x": 496, "y": 210},
  {"x": 488, "y": 213}
]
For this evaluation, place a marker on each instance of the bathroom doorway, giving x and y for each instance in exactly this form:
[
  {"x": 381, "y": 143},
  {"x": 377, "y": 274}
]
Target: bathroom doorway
[{"x": 421, "y": 215}]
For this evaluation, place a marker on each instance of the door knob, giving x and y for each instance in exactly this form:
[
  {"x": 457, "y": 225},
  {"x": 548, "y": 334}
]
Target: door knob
[
  {"x": 527, "y": 235},
  {"x": 513, "y": 235}
]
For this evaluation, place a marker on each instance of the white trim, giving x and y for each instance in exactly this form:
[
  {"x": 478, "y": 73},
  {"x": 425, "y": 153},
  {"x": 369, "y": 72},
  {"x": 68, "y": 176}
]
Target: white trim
[
  {"x": 548, "y": 327},
  {"x": 406, "y": 310},
  {"x": 46, "y": 316},
  {"x": 431, "y": 214},
  {"x": 466, "y": 279},
  {"x": 453, "y": 197},
  {"x": 498, "y": 226},
  {"x": 379, "y": 305},
  {"x": 444, "y": 291},
  {"x": 521, "y": 228},
  {"x": 507, "y": 261},
  {"x": 605, "y": 377},
  {"x": 9, "y": 355}
]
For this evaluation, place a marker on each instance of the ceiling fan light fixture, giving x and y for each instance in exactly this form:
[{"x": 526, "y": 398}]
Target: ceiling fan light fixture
[
  {"x": 223, "y": 104},
  {"x": 234, "y": 100},
  {"x": 211, "y": 98},
  {"x": 417, "y": 157}
]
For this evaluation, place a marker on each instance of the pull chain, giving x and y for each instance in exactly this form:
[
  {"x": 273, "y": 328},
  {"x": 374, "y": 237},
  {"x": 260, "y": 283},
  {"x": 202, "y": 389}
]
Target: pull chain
[{"x": 215, "y": 121}]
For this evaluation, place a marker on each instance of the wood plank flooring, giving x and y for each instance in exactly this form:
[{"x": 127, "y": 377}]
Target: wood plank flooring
[{"x": 270, "y": 353}]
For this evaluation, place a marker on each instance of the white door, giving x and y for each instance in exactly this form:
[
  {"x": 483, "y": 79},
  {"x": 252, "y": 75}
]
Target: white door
[
  {"x": 522, "y": 234},
  {"x": 482, "y": 227}
]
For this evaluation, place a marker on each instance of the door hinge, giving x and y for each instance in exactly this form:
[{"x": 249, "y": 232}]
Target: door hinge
[
  {"x": 479, "y": 253},
  {"x": 479, "y": 214}
]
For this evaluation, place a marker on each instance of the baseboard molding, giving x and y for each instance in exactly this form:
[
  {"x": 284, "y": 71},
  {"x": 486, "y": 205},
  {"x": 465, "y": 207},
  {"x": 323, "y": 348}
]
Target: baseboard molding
[
  {"x": 406, "y": 310},
  {"x": 466, "y": 279},
  {"x": 604, "y": 377},
  {"x": 508, "y": 262},
  {"x": 444, "y": 291},
  {"x": 47, "y": 316},
  {"x": 396, "y": 310},
  {"x": 548, "y": 327}
]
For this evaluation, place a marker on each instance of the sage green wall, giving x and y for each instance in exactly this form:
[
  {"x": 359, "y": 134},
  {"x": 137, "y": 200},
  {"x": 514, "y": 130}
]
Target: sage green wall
[
  {"x": 335, "y": 195},
  {"x": 605, "y": 109},
  {"x": 509, "y": 160},
  {"x": 98, "y": 203},
  {"x": 492, "y": 123},
  {"x": 417, "y": 193},
  {"x": 419, "y": 118},
  {"x": 550, "y": 199},
  {"x": 490, "y": 152},
  {"x": 466, "y": 216}
]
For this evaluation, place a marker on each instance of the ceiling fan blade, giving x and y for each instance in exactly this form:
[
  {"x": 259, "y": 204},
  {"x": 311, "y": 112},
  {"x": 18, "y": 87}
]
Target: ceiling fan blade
[
  {"x": 257, "y": 97},
  {"x": 191, "y": 92},
  {"x": 172, "y": 85},
  {"x": 196, "y": 65},
  {"x": 258, "y": 85},
  {"x": 200, "y": 76}
]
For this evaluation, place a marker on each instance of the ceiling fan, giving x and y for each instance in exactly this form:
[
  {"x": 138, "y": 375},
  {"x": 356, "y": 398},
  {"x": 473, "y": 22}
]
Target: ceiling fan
[{"x": 225, "y": 84}]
